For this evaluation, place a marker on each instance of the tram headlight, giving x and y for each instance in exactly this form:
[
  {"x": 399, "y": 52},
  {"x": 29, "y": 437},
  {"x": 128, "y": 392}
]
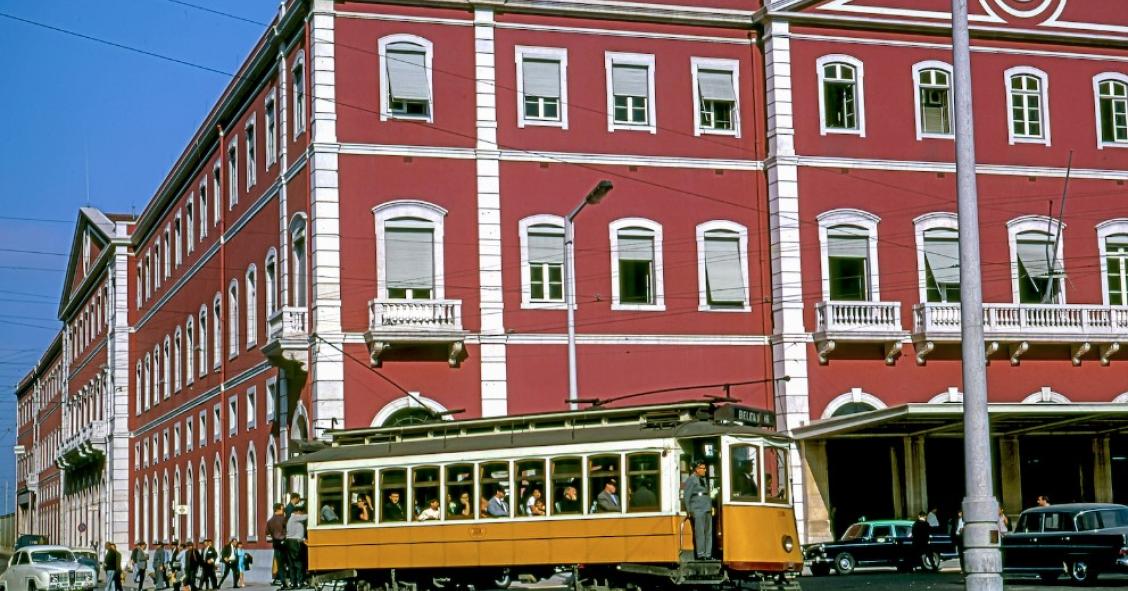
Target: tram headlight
[{"x": 788, "y": 544}]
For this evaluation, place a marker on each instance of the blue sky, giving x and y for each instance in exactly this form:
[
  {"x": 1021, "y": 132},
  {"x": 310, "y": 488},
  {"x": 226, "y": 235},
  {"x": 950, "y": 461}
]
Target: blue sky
[{"x": 85, "y": 123}]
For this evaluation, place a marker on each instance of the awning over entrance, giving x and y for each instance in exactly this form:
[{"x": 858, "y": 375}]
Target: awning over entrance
[{"x": 939, "y": 420}]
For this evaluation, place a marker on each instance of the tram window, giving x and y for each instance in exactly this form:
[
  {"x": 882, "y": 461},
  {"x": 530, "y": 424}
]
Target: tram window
[
  {"x": 330, "y": 492},
  {"x": 531, "y": 491},
  {"x": 362, "y": 489},
  {"x": 643, "y": 478},
  {"x": 493, "y": 496},
  {"x": 745, "y": 472},
  {"x": 603, "y": 484},
  {"x": 425, "y": 490},
  {"x": 460, "y": 491},
  {"x": 393, "y": 489},
  {"x": 775, "y": 475},
  {"x": 567, "y": 486}
]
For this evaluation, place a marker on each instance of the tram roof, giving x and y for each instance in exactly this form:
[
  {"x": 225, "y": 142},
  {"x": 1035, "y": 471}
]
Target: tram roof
[{"x": 691, "y": 419}]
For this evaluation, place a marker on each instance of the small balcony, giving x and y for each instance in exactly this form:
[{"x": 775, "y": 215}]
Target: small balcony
[
  {"x": 85, "y": 447},
  {"x": 858, "y": 323},
  {"x": 420, "y": 324},
  {"x": 1081, "y": 327},
  {"x": 287, "y": 339}
]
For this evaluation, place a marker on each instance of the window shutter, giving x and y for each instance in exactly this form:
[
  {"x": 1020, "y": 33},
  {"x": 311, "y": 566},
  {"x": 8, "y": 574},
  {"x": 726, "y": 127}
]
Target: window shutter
[
  {"x": 943, "y": 258},
  {"x": 636, "y": 248},
  {"x": 724, "y": 279},
  {"x": 407, "y": 72},
  {"x": 1035, "y": 258},
  {"x": 630, "y": 80},
  {"x": 409, "y": 258},
  {"x": 546, "y": 248},
  {"x": 716, "y": 85},
  {"x": 541, "y": 78},
  {"x": 848, "y": 243}
]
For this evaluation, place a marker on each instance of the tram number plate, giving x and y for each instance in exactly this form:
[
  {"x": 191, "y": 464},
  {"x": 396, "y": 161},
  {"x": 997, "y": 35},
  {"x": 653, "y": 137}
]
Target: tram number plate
[{"x": 476, "y": 532}]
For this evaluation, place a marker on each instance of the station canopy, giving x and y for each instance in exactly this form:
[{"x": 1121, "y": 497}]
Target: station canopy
[{"x": 946, "y": 420}]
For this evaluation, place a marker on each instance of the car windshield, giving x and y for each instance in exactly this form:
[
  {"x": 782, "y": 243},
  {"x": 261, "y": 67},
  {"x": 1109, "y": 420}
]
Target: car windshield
[
  {"x": 83, "y": 554},
  {"x": 1102, "y": 519},
  {"x": 858, "y": 530},
  {"x": 52, "y": 556}
]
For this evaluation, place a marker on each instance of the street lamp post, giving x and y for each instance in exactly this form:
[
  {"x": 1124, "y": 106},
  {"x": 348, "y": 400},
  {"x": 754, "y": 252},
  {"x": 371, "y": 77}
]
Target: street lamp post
[{"x": 593, "y": 197}]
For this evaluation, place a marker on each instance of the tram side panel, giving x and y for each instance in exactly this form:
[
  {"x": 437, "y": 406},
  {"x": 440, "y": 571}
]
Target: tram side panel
[{"x": 754, "y": 536}]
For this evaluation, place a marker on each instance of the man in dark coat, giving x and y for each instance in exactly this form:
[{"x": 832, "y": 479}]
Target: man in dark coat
[
  {"x": 921, "y": 533},
  {"x": 191, "y": 566},
  {"x": 699, "y": 505},
  {"x": 208, "y": 559},
  {"x": 160, "y": 564},
  {"x": 227, "y": 557},
  {"x": 112, "y": 564}
]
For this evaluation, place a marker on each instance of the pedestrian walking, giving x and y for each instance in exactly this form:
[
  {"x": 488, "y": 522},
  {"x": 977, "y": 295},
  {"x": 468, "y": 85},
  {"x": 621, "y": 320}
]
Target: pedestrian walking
[
  {"x": 240, "y": 556},
  {"x": 957, "y": 537},
  {"x": 295, "y": 540},
  {"x": 921, "y": 534},
  {"x": 160, "y": 565},
  {"x": 699, "y": 505},
  {"x": 227, "y": 557},
  {"x": 1004, "y": 521},
  {"x": 140, "y": 560},
  {"x": 190, "y": 559},
  {"x": 934, "y": 519},
  {"x": 276, "y": 533},
  {"x": 111, "y": 563},
  {"x": 209, "y": 561}
]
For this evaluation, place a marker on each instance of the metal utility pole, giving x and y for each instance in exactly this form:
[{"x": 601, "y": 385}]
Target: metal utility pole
[
  {"x": 982, "y": 560},
  {"x": 593, "y": 198}
]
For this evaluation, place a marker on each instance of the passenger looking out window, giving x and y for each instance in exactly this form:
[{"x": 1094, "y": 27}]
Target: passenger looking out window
[
  {"x": 426, "y": 487},
  {"x": 601, "y": 471},
  {"x": 775, "y": 475},
  {"x": 432, "y": 512},
  {"x": 566, "y": 481},
  {"x": 498, "y": 505},
  {"x": 494, "y": 481},
  {"x": 745, "y": 473},
  {"x": 460, "y": 489},
  {"x": 329, "y": 494},
  {"x": 608, "y": 500},
  {"x": 362, "y": 489},
  {"x": 393, "y": 484},
  {"x": 532, "y": 473},
  {"x": 642, "y": 476},
  {"x": 393, "y": 508}
]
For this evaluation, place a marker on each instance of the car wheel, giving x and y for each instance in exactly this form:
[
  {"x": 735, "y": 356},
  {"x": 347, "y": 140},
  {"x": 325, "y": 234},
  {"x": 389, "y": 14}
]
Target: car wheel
[
  {"x": 1081, "y": 573},
  {"x": 844, "y": 563},
  {"x": 931, "y": 561},
  {"x": 820, "y": 570},
  {"x": 31, "y": 586}
]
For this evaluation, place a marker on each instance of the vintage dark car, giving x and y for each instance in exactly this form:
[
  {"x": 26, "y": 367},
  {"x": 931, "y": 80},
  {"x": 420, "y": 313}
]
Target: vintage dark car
[
  {"x": 1079, "y": 540},
  {"x": 875, "y": 543}
]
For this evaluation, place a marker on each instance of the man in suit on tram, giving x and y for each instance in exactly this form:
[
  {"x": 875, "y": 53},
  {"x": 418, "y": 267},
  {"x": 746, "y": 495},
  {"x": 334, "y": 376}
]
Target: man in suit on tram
[{"x": 699, "y": 505}]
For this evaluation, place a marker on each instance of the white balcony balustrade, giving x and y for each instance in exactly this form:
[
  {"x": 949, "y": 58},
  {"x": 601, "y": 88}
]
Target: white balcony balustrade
[
  {"x": 85, "y": 446},
  {"x": 415, "y": 322},
  {"x": 1081, "y": 326},
  {"x": 858, "y": 322},
  {"x": 287, "y": 341}
]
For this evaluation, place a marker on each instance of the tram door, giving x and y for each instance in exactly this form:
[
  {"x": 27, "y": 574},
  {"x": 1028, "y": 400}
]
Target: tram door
[{"x": 708, "y": 450}]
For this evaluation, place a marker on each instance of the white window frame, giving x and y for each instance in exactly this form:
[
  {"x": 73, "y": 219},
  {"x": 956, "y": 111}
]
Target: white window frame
[
  {"x": 849, "y": 217},
  {"x": 203, "y": 428},
  {"x": 1106, "y": 229},
  {"x": 167, "y": 248},
  {"x": 524, "y": 226},
  {"x": 217, "y": 331},
  {"x": 428, "y": 58},
  {"x": 189, "y": 350},
  {"x": 270, "y": 282},
  {"x": 202, "y": 337},
  {"x": 412, "y": 208},
  {"x": 611, "y": 59},
  {"x": 299, "y": 110},
  {"x": 1097, "y": 80},
  {"x": 176, "y": 439},
  {"x": 203, "y": 208},
  {"x": 190, "y": 223},
  {"x": 217, "y": 421},
  {"x": 233, "y": 328},
  {"x": 522, "y": 52},
  {"x": 937, "y": 220},
  {"x": 250, "y": 135},
  {"x": 271, "y": 394},
  {"x": 177, "y": 237},
  {"x": 233, "y": 415},
  {"x": 252, "y": 407},
  {"x": 1044, "y": 86},
  {"x": 166, "y": 369},
  {"x": 718, "y": 64},
  {"x": 233, "y": 173},
  {"x": 659, "y": 284},
  {"x": 1034, "y": 223},
  {"x": 250, "y": 293},
  {"x": 270, "y": 121},
  {"x": 189, "y": 434},
  {"x": 702, "y": 289},
  {"x": 177, "y": 359},
  {"x": 217, "y": 191},
  {"x": 947, "y": 68},
  {"x": 859, "y": 94}
]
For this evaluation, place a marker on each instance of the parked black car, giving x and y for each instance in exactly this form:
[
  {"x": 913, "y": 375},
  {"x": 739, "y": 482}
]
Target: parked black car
[
  {"x": 30, "y": 540},
  {"x": 1079, "y": 540},
  {"x": 875, "y": 543}
]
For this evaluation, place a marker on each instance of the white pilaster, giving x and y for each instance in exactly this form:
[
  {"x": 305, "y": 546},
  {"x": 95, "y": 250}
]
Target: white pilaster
[
  {"x": 493, "y": 348},
  {"x": 789, "y": 340},
  {"x": 327, "y": 371},
  {"x": 116, "y": 508}
]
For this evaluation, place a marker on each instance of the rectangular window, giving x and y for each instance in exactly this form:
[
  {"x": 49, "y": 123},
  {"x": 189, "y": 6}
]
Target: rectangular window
[
  {"x": 942, "y": 265},
  {"x": 724, "y": 273},
  {"x": 409, "y": 89},
  {"x": 217, "y": 195},
  {"x": 631, "y": 89},
  {"x": 1113, "y": 102},
  {"x": 190, "y": 224},
  {"x": 644, "y": 482},
  {"x": 1037, "y": 283},
  {"x": 233, "y": 415},
  {"x": 541, "y": 89},
  {"x": 410, "y": 260},
  {"x": 203, "y": 428},
  {"x": 271, "y": 398},
  {"x": 1116, "y": 253},
  {"x": 252, "y": 163},
  {"x": 299, "y": 97},
  {"x": 176, "y": 439},
  {"x": 252, "y": 407},
  {"x": 203, "y": 209},
  {"x": 848, "y": 264},
  {"x": 716, "y": 99},
  {"x": 233, "y": 174},
  {"x": 546, "y": 264},
  {"x": 217, "y": 423},
  {"x": 636, "y": 269},
  {"x": 189, "y": 434},
  {"x": 271, "y": 131},
  {"x": 167, "y": 252},
  {"x": 177, "y": 242}
]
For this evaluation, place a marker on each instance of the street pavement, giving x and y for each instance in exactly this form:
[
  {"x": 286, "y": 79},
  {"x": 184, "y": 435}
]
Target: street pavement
[{"x": 891, "y": 580}]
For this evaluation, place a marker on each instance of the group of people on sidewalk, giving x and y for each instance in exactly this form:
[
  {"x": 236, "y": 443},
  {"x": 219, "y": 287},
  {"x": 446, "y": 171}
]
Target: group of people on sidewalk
[
  {"x": 177, "y": 566},
  {"x": 286, "y": 530}
]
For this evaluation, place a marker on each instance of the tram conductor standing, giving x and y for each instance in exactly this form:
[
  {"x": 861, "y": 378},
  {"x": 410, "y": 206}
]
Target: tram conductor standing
[{"x": 699, "y": 505}]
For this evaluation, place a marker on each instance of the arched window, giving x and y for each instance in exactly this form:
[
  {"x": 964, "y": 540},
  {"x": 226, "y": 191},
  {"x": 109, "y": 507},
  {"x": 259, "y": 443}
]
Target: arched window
[
  {"x": 270, "y": 286},
  {"x": 155, "y": 532},
  {"x": 1037, "y": 268},
  {"x": 1112, "y": 108},
  {"x": 189, "y": 502},
  {"x": 138, "y": 503},
  {"x": 409, "y": 245},
  {"x": 252, "y": 493},
  {"x": 252, "y": 306},
  {"x": 722, "y": 266},
  {"x": 202, "y": 488},
  {"x": 190, "y": 350},
  {"x": 636, "y": 265},
  {"x": 217, "y": 496},
  {"x": 166, "y": 367},
  {"x": 157, "y": 382},
  {"x": 1112, "y": 237},
  {"x": 272, "y": 495},
  {"x": 938, "y": 257},
  {"x": 848, "y": 238},
  {"x": 405, "y": 81},
  {"x": 542, "y": 261},
  {"x": 233, "y": 496},
  {"x": 298, "y": 266},
  {"x": 177, "y": 352},
  {"x": 852, "y": 402},
  {"x": 217, "y": 331},
  {"x": 202, "y": 353},
  {"x": 233, "y": 319},
  {"x": 148, "y": 381},
  {"x": 138, "y": 389},
  {"x": 166, "y": 496},
  {"x": 1028, "y": 106},
  {"x": 933, "y": 81},
  {"x": 841, "y": 97}
]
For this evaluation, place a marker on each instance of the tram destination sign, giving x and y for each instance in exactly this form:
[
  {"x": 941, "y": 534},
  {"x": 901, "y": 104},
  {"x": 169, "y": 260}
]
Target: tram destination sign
[{"x": 745, "y": 415}]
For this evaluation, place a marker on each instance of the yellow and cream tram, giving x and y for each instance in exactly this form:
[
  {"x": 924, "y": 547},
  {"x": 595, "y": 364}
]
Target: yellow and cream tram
[{"x": 481, "y": 502}]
